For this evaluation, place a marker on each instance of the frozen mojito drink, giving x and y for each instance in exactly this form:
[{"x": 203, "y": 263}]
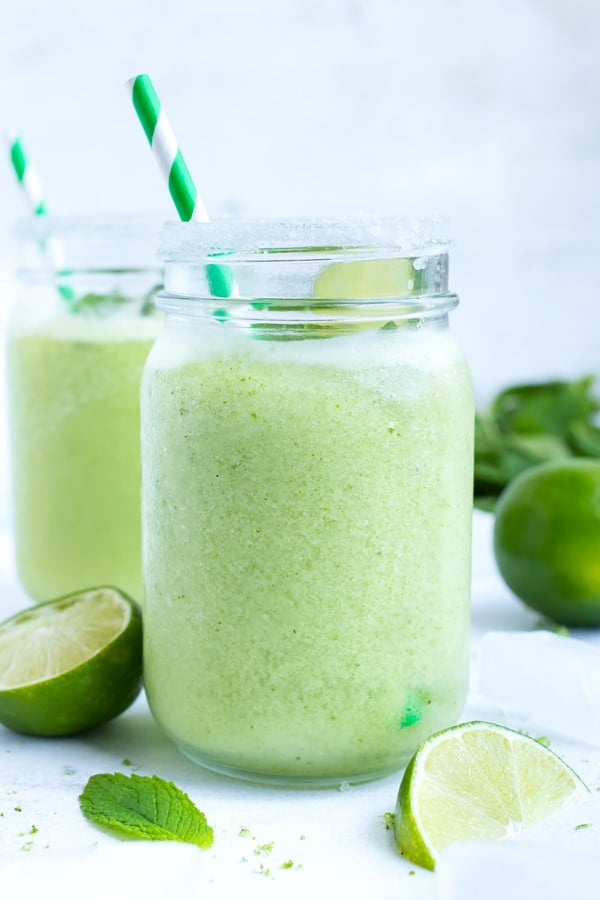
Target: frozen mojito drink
[
  {"x": 74, "y": 399},
  {"x": 307, "y": 511},
  {"x": 78, "y": 338}
]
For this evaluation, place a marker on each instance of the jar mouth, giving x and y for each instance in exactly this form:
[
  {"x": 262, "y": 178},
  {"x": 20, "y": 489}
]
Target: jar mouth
[
  {"x": 283, "y": 271},
  {"x": 117, "y": 225},
  {"x": 82, "y": 244},
  {"x": 273, "y": 312},
  {"x": 193, "y": 241}
]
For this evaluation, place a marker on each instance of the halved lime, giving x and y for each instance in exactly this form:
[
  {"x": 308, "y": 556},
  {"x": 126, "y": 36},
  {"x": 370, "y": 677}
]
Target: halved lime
[
  {"x": 71, "y": 663},
  {"x": 477, "y": 781}
]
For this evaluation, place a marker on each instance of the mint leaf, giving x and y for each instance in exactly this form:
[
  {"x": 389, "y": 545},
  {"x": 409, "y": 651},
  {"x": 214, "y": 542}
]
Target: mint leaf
[
  {"x": 146, "y": 808},
  {"x": 528, "y": 424},
  {"x": 545, "y": 408}
]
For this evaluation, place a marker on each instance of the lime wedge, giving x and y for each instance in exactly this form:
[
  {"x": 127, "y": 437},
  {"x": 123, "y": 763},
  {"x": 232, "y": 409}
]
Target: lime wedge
[
  {"x": 71, "y": 663},
  {"x": 477, "y": 781},
  {"x": 366, "y": 278}
]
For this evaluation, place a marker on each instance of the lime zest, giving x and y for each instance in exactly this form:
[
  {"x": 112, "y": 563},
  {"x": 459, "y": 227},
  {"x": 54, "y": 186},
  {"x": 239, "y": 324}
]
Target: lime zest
[
  {"x": 388, "y": 820},
  {"x": 144, "y": 808}
]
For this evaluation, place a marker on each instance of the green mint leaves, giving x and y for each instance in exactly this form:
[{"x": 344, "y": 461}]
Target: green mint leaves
[
  {"x": 99, "y": 305},
  {"x": 146, "y": 808},
  {"x": 102, "y": 306},
  {"x": 530, "y": 424}
]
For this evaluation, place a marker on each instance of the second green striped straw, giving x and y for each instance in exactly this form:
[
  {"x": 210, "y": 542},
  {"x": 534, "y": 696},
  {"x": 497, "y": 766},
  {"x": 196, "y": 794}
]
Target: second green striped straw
[
  {"x": 31, "y": 186},
  {"x": 27, "y": 175}
]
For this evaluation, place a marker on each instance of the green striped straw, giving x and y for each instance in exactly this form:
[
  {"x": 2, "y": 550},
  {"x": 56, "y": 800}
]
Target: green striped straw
[
  {"x": 31, "y": 187},
  {"x": 27, "y": 175},
  {"x": 168, "y": 155}
]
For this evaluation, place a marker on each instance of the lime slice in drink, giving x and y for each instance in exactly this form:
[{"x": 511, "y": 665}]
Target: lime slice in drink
[
  {"x": 477, "y": 781},
  {"x": 366, "y": 278},
  {"x": 71, "y": 663}
]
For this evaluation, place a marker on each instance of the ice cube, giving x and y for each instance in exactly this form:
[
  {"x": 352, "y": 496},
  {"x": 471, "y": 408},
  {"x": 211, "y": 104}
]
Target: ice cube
[
  {"x": 515, "y": 871},
  {"x": 156, "y": 870},
  {"x": 541, "y": 679}
]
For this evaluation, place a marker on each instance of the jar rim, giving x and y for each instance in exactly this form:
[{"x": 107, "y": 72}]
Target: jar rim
[
  {"x": 49, "y": 245},
  {"x": 192, "y": 241},
  {"x": 105, "y": 225}
]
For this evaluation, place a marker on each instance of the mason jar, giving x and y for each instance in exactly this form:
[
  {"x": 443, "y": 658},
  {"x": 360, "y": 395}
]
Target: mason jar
[
  {"x": 307, "y": 447},
  {"x": 78, "y": 338}
]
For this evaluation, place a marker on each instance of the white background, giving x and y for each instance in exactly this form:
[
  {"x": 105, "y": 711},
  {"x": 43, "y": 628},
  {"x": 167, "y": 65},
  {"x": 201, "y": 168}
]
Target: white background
[{"x": 486, "y": 110}]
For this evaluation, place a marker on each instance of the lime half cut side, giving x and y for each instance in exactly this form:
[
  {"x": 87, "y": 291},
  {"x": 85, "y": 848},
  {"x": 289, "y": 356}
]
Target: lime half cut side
[
  {"x": 477, "y": 781},
  {"x": 70, "y": 664}
]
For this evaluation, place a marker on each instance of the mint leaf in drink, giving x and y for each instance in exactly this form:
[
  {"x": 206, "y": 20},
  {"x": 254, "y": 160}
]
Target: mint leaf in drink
[
  {"x": 148, "y": 305},
  {"x": 145, "y": 808},
  {"x": 99, "y": 305}
]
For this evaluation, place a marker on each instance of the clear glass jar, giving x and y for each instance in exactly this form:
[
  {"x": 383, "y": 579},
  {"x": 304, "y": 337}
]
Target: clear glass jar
[
  {"x": 78, "y": 338},
  {"x": 307, "y": 447}
]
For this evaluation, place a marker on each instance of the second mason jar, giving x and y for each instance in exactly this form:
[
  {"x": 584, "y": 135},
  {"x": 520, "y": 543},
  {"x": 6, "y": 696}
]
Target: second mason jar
[
  {"x": 78, "y": 338},
  {"x": 307, "y": 428}
]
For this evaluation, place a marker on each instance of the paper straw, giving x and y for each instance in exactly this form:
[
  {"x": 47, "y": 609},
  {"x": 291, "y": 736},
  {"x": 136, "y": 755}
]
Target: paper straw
[
  {"x": 27, "y": 175},
  {"x": 165, "y": 148},
  {"x": 31, "y": 187},
  {"x": 168, "y": 155}
]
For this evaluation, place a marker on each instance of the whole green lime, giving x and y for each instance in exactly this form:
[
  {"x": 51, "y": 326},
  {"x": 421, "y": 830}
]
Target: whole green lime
[{"x": 547, "y": 540}]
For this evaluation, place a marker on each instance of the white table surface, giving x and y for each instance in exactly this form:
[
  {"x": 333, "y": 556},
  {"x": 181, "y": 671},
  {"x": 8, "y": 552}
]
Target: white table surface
[{"x": 336, "y": 838}]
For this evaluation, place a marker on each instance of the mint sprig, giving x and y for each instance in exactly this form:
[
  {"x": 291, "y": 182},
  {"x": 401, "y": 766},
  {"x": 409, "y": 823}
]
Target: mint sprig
[
  {"x": 145, "y": 808},
  {"x": 530, "y": 424}
]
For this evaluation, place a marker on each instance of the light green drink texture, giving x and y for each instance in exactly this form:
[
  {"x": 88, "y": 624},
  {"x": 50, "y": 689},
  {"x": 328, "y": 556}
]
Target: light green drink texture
[
  {"x": 74, "y": 410},
  {"x": 307, "y": 510}
]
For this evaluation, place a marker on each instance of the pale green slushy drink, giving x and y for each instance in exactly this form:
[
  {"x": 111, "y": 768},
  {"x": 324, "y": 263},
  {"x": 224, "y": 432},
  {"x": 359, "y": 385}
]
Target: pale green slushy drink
[
  {"x": 307, "y": 506},
  {"x": 74, "y": 389},
  {"x": 76, "y": 350}
]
